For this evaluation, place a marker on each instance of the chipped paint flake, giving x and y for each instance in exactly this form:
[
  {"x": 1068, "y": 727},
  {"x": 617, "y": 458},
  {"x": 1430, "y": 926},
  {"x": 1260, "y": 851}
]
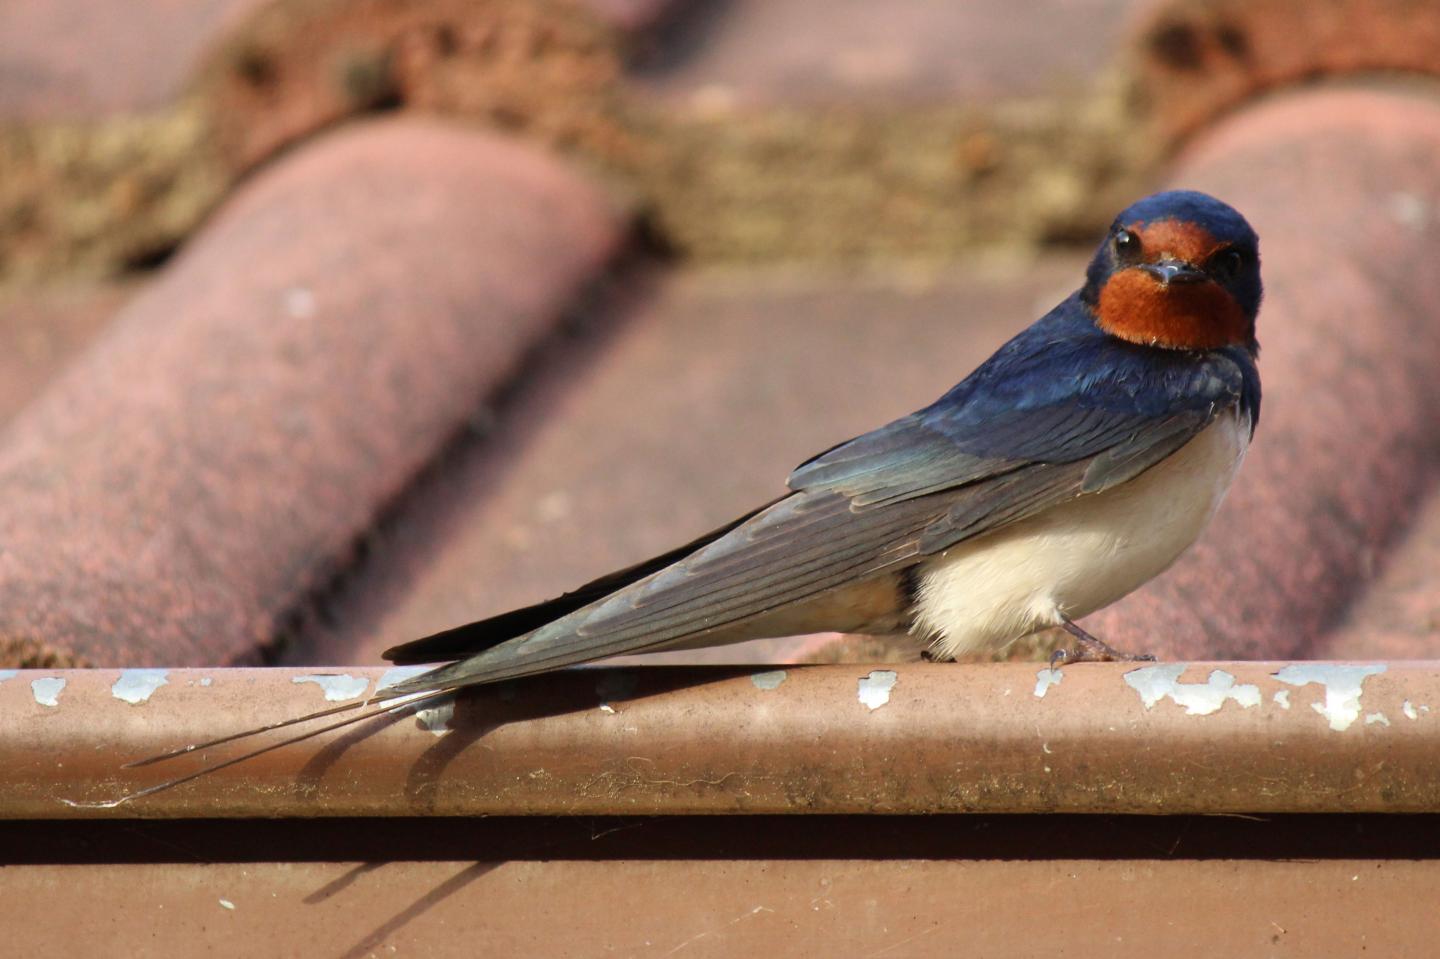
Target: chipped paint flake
[
  {"x": 435, "y": 718},
  {"x": 1408, "y": 209},
  {"x": 1154, "y": 683},
  {"x": 300, "y": 302},
  {"x": 1373, "y": 718},
  {"x": 226, "y": 904},
  {"x": 615, "y": 685},
  {"x": 1282, "y": 698},
  {"x": 338, "y": 688},
  {"x": 8, "y": 674},
  {"x": 135, "y": 686},
  {"x": 875, "y": 688},
  {"x": 432, "y": 713},
  {"x": 398, "y": 674},
  {"x": 109, "y": 804},
  {"x": 206, "y": 680},
  {"x": 1045, "y": 679},
  {"x": 770, "y": 680},
  {"x": 1408, "y": 708},
  {"x": 47, "y": 690},
  {"x": 1343, "y": 686}
]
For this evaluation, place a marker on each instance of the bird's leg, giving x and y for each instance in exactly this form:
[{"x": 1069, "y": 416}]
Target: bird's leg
[
  {"x": 1089, "y": 649},
  {"x": 930, "y": 656}
]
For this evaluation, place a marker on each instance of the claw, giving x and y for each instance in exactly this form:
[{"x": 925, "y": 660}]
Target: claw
[{"x": 1090, "y": 649}]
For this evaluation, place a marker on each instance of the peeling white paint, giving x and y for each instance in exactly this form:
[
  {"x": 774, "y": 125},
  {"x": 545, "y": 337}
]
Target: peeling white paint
[
  {"x": 135, "y": 686},
  {"x": 226, "y": 904},
  {"x": 8, "y": 674},
  {"x": 398, "y": 674},
  {"x": 1154, "y": 683},
  {"x": 47, "y": 690},
  {"x": 1373, "y": 718},
  {"x": 875, "y": 688},
  {"x": 110, "y": 804},
  {"x": 432, "y": 713},
  {"x": 1343, "y": 686},
  {"x": 1408, "y": 209},
  {"x": 1408, "y": 708},
  {"x": 614, "y": 686},
  {"x": 300, "y": 302},
  {"x": 436, "y": 717},
  {"x": 1045, "y": 679},
  {"x": 1282, "y": 698},
  {"x": 770, "y": 680},
  {"x": 206, "y": 680},
  {"x": 338, "y": 688}
]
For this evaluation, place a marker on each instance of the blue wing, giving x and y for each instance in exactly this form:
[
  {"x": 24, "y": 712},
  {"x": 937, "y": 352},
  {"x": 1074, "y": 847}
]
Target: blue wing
[{"x": 1059, "y": 393}]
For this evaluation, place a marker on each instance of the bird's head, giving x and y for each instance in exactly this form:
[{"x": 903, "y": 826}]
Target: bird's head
[{"x": 1178, "y": 270}]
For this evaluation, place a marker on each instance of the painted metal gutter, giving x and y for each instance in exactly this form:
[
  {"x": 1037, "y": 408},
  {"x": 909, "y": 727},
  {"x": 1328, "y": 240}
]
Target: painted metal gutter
[{"x": 921, "y": 738}]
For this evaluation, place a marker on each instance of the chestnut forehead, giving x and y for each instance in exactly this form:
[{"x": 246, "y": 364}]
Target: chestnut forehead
[{"x": 1188, "y": 241}]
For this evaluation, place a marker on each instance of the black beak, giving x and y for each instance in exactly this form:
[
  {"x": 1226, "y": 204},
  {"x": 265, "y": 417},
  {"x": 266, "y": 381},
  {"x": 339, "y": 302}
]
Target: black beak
[{"x": 1174, "y": 271}]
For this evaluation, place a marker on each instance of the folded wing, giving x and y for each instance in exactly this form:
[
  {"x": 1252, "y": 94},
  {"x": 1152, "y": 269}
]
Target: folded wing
[{"x": 869, "y": 507}]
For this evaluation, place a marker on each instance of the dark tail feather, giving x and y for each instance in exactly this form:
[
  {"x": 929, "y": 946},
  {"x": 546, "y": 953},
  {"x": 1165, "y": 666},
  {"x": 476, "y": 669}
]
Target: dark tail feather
[
  {"x": 389, "y": 702},
  {"x": 452, "y": 644},
  {"x": 472, "y": 638},
  {"x": 294, "y": 720}
]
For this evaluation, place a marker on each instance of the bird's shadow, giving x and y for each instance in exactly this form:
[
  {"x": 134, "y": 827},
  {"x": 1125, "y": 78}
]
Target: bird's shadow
[
  {"x": 446, "y": 889},
  {"x": 478, "y": 712}
]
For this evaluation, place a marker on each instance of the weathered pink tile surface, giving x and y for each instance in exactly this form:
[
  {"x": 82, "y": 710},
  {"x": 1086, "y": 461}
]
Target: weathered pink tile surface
[
  {"x": 691, "y": 408},
  {"x": 216, "y": 455},
  {"x": 41, "y": 330},
  {"x": 89, "y": 58},
  {"x": 789, "y": 51}
]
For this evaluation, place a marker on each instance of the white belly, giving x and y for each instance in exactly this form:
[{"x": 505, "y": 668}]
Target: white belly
[{"x": 1071, "y": 560}]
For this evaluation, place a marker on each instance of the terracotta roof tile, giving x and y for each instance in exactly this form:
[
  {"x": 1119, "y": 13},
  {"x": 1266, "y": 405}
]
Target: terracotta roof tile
[
  {"x": 1398, "y": 616},
  {"x": 781, "y": 51},
  {"x": 87, "y": 58},
  {"x": 67, "y": 59},
  {"x": 687, "y": 409},
  {"x": 42, "y": 330},
  {"x": 217, "y": 453}
]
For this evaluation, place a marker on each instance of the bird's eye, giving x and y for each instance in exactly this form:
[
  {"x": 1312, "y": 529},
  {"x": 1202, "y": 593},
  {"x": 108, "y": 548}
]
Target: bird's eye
[
  {"x": 1127, "y": 243},
  {"x": 1227, "y": 263}
]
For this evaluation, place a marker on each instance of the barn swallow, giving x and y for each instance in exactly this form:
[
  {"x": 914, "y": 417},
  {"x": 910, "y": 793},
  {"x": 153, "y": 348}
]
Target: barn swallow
[{"x": 1075, "y": 464}]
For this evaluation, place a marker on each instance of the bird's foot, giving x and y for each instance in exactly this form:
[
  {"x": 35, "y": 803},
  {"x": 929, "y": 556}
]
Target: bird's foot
[{"x": 1090, "y": 649}]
